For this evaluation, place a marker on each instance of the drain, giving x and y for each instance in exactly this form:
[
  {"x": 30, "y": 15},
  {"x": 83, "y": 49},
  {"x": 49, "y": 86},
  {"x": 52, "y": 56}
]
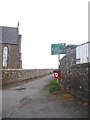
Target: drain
[{"x": 20, "y": 88}]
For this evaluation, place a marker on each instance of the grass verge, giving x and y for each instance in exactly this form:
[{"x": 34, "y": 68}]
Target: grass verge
[
  {"x": 53, "y": 88},
  {"x": 61, "y": 94}
]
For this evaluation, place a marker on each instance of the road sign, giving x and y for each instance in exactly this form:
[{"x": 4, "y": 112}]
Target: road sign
[{"x": 58, "y": 49}]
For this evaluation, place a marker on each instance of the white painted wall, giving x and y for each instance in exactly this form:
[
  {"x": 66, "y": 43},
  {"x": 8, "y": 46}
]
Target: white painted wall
[
  {"x": 89, "y": 51},
  {"x": 89, "y": 21},
  {"x": 0, "y": 49},
  {"x": 82, "y": 53},
  {"x": 0, "y": 34},
  {"x": 89, "y": 29}
]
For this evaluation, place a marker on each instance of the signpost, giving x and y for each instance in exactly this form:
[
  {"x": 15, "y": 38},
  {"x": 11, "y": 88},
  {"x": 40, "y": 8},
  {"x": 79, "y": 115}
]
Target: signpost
[{"x": 57, "y": 49}]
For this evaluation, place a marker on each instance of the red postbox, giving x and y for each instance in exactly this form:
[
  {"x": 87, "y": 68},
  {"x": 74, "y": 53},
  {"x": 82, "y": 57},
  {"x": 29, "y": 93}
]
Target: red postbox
[{"x": 57, "y": 74}]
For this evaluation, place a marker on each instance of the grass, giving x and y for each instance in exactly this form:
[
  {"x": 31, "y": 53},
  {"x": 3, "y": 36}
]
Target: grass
[
  {"x": 60, "y": 93},
  {"x": 53, "y": 87}
]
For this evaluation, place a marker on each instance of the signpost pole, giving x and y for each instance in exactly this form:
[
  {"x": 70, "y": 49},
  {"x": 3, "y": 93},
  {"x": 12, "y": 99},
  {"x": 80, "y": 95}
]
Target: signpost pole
[
  {"x": 58, "y": 70},
  {"x": 57, "y": 49}
]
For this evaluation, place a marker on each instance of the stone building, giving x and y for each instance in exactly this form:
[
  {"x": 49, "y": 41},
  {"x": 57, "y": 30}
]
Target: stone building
[{"x": 10, "y": 48}]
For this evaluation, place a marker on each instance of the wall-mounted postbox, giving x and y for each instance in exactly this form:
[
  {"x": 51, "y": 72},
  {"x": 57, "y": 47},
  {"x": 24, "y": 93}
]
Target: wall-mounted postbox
[{"x": 57, "y": 73}]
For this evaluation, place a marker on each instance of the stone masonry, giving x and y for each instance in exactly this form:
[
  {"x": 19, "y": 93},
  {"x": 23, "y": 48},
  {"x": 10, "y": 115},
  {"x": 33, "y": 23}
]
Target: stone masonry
[
  {"x": 78, "y": 80},
  {"x": 11, "y": 39},
  {"x": 75, "y": 77},
  {"x": 10, "y": 76}
]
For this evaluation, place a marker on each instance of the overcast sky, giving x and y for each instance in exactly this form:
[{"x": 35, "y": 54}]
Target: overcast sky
[{"x": 45, "y": 22}]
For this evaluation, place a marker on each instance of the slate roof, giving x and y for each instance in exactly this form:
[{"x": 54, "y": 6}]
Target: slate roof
[{"x": 9, "y": 35}]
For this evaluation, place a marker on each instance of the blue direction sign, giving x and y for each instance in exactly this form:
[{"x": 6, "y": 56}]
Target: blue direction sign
[{"x": 58, "y": 49}]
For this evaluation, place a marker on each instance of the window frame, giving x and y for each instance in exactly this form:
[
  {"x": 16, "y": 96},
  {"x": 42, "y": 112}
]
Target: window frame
[{"x": 5, "y": 53}]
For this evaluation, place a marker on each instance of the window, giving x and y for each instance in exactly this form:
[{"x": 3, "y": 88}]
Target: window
[{"x": 5, "y": 56}]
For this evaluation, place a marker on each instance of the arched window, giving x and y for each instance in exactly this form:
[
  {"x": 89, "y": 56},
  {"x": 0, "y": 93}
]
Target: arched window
[{"x": 5, "y": 56}]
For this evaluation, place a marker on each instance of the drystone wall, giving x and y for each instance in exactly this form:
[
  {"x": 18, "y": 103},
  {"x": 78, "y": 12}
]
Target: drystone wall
[
  {"x": 18, "y": 75},
  {"x": 75, "y": 78},
  {"x": 79, "y": 79}
]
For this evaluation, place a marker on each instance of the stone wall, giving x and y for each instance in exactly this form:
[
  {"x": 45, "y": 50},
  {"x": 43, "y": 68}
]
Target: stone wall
[
  {"x": 78, "y": 80},
  {"x": 18, "y": 75},
  {"x": 75, "y": 76},
  {"x": 66, "y": 62},
  {"x": 0, "y": 66},
  {"x": 70, "y": 55}
]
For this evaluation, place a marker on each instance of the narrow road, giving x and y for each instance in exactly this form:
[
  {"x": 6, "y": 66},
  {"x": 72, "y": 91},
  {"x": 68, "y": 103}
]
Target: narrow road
[{"x": 33, "y": 100}]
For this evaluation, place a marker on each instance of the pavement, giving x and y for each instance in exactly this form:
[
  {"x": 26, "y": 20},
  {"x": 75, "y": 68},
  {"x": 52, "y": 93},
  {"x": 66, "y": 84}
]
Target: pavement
[{"x": 33, "y": 100}]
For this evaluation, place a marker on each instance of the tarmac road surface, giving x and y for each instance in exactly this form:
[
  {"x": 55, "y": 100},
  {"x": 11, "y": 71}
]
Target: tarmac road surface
[{"x": 33, "y": 100}]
